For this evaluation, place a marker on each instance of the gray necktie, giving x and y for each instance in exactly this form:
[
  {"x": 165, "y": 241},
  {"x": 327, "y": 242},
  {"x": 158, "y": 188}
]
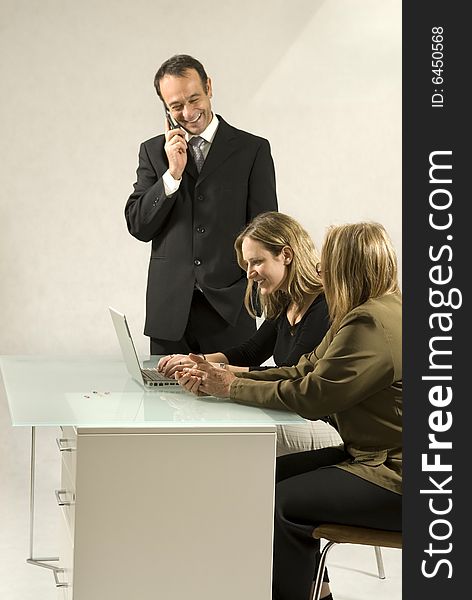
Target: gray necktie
[{"x": 196, "y": 144}]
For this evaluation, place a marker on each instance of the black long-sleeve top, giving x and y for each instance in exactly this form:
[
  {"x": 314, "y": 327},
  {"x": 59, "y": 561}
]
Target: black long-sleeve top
[{"x": 285, "y": 342}]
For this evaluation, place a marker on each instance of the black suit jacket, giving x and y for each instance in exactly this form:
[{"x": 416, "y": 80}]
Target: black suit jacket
[{"x": 193, "y": 231}]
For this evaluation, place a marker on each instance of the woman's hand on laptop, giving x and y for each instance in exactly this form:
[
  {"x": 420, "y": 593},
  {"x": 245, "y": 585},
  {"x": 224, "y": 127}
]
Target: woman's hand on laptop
[
  {"x": 204, "y": 378},
  {"x": 171, "y": 363}
]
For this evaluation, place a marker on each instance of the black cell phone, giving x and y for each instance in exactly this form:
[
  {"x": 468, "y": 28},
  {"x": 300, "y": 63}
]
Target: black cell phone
[{"x": 171, "y": 121}]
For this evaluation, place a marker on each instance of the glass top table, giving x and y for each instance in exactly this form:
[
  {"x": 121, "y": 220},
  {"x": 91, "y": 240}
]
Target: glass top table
[{"x": 99, "y": 392}]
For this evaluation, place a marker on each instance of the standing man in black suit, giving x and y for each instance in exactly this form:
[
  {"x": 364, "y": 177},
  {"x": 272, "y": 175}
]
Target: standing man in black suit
[{"x": 197, "y": 187}]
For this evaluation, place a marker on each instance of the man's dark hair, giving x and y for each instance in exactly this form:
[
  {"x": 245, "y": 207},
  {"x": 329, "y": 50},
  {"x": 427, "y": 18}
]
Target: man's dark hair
[{"x": 177, "y": 66}]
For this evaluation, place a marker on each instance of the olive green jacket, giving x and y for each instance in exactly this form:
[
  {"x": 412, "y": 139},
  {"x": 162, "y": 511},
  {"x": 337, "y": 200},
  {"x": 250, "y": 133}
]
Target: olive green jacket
[{"x": 355, "y": 376}]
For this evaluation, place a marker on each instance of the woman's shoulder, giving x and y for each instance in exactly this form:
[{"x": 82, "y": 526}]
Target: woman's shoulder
[
  {"x": 318, "y": 304},
  {"x": 388, "y": 303},
  {"x": 385, "y": 310},
  {"x": 316, "y": 310},
  {"x": 318, "y": 299}
]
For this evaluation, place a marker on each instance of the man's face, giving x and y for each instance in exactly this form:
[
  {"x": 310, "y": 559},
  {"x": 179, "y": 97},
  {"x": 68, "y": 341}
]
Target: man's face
[{"x": 188, "y": 101}]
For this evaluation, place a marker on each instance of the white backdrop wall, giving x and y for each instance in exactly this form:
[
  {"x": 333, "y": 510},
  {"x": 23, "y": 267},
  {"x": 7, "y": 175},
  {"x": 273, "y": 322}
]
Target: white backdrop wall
[{"x": 321, "y": 79}]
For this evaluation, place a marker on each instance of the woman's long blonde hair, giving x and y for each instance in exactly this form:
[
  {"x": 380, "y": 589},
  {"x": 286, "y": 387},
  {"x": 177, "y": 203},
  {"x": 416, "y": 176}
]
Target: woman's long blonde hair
[
  {"x": 276, "y": 231},
  {"x": 358, "y": 262}
]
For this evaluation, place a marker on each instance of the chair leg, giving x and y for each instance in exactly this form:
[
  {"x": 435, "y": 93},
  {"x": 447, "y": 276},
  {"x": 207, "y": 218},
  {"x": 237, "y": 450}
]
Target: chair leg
[
  {"x": 380, "y": 565},
  {"x": 320, "y": 572}
]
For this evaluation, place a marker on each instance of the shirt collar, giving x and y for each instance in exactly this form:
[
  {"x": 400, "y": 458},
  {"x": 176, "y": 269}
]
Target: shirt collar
[{"x": 209, "y": 132}]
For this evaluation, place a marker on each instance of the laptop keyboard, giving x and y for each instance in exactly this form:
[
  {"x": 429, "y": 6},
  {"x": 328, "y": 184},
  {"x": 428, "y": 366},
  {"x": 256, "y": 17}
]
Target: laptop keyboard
[{"x": 154, "y": 375}]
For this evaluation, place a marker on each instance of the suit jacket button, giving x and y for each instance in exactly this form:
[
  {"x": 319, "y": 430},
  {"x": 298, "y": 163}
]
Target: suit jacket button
[
  {"x": 197, "y": 262},
  {"x": 200, "y": 197},
  {"x": 200, "y": 229}
]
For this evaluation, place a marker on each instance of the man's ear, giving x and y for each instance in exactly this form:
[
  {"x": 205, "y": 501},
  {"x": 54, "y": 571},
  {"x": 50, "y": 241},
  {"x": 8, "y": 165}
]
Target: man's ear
[{"x": 209, "y": 88}]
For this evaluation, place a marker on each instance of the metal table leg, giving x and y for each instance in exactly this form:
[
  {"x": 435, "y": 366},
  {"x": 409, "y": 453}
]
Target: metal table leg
[{"x": 39, "y": 562}]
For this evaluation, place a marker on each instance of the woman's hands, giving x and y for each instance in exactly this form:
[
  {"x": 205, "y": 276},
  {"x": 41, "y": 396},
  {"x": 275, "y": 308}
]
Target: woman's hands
[
  {"x": 170, "y": 364},
  {"x": 197, "y": 375},
  {"x": 204, "y": 379}
]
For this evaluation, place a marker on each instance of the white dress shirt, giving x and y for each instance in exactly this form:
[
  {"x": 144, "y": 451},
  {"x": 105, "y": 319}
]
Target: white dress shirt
[{"x": 171, "y": 185}]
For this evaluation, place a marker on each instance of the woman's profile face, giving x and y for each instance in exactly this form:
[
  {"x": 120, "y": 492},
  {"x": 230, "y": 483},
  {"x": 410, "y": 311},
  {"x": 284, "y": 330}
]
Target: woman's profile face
[{"x": 269, "y": 272}]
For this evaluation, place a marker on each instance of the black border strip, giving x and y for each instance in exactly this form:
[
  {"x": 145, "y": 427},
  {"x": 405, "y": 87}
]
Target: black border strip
[{"x": 435, "y": 258}]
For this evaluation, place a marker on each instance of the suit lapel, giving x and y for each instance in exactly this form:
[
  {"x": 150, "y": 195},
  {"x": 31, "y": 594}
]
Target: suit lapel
[
  {"x": 191, "y": 167},
  {"x": 223, "y": 145}
]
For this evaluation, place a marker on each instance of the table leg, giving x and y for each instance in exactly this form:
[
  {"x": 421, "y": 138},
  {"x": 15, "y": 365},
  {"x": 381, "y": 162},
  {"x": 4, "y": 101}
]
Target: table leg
[{"x": 39, "y": 562}]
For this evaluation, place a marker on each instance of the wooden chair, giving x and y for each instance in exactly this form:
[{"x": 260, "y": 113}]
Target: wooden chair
[{"x": 346, "y": 534}]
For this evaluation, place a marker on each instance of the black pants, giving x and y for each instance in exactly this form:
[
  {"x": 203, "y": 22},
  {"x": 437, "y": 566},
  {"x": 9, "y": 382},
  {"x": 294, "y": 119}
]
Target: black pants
[
  {"x": 206, "y": 331},
  {"x": 307, "y": 495}
]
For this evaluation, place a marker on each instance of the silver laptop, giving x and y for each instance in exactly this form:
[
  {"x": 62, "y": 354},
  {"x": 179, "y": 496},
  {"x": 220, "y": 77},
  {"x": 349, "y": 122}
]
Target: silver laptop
[{"x": 146, "y": 377}]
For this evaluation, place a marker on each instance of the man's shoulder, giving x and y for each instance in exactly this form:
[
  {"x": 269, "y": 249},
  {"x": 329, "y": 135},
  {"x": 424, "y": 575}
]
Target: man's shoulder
[
  {"x": 154, "y": 142},
  {"x": 240, "y": 133}
]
